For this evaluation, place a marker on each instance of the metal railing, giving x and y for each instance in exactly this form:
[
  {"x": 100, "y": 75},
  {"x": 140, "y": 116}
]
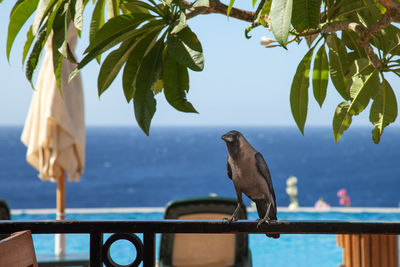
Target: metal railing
[{"x": 145, "y": 251}]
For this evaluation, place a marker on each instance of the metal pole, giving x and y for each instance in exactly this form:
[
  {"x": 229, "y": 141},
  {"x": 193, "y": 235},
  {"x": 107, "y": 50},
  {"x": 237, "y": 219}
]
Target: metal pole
[
  {"x": 60, "y": 240},
  {"x": 149, "y": 254},
  {"x": 96, "y": 249}
]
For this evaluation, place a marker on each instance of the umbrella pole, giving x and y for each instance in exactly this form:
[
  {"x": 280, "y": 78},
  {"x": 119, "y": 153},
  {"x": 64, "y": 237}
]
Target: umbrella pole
[{"x": 60, "y": 242}]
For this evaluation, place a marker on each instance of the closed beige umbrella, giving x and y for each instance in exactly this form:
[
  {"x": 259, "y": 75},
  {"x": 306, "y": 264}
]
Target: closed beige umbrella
[{"x": 54, "y": 130}]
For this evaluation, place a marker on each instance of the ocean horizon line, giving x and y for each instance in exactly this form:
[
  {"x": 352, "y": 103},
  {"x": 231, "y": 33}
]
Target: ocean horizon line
[{"x": 162, "y": 209}]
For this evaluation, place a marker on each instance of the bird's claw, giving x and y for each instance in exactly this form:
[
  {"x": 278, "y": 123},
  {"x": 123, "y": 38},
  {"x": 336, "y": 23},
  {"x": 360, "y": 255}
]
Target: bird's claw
[
  {"x": 229, "y": 220},
  {"x": 263, "y": 220}
]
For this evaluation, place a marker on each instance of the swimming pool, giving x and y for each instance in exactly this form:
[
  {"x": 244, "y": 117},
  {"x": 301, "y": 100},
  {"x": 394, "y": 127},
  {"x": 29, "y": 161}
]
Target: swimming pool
[{"x": 289, "y": 250}]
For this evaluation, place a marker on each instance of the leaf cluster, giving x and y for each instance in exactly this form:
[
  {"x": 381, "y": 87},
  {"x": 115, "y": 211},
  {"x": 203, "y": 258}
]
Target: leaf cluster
[
  {"x": 50, "y": 24},
  {"x": 351, "y": 43},
  {"x": 356, "y": 69},
  {"x": 149, "y": 42}
]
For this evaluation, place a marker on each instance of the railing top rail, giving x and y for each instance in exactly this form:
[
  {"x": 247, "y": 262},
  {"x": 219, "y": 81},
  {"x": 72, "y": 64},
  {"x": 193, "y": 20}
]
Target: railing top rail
[{"x": 203, "y": 226}]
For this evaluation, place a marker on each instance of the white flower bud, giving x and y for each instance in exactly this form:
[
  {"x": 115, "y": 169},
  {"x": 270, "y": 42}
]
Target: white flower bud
[{"x": 266, "y": 40}]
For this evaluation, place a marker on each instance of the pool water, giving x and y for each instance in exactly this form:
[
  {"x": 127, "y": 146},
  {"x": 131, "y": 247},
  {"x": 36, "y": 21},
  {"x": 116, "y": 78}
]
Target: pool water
[{"x": 288, "y": 250}]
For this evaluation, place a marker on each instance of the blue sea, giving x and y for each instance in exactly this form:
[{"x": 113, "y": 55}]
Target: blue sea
[{"x": 125, "y": 168}]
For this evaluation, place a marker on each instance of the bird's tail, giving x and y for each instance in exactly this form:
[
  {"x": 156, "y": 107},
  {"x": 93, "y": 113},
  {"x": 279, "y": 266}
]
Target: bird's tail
[{"x": 273, "y": 235}]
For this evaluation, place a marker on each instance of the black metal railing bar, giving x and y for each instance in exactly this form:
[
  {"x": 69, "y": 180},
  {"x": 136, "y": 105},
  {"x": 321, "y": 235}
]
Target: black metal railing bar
[
  {"x": 99, "y": 250},
  {"x": 203, "y": 226}
]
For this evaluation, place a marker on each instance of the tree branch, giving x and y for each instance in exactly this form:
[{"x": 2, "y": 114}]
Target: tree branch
[
  {"x": 392, "y": 14},
  {"x": 219, "y": 8},
  {"x": 364, "y": 33},
  {"x": 343, "y": 26},
  {"x": 381, "y": 24}
]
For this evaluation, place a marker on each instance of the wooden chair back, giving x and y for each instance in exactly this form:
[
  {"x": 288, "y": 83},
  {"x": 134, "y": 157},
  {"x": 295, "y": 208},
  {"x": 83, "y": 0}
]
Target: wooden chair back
[{"x": 18, "y": 251}]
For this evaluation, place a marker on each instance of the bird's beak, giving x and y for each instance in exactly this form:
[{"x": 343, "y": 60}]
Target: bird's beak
[{"x": 226, "y": 138}]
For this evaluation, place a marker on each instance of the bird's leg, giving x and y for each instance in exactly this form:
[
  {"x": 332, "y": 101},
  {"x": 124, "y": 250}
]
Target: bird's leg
[
  {"x": 266, "y": 218},
  {"x": 234, "y": 217}
]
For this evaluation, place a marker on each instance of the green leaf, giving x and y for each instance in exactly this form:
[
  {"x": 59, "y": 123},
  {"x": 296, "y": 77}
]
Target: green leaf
[
  {"x": 263, "y": 12},
  {"x": 371, "y": 15},
  {"x": 390, "y": 40},
  {"x": 144, "y": 107},
  {"x": 144, "y": 102},
  {"x": 112, "y": 8},
  {"x": 347, "y": 10},
  {"x": 306, "y": 14},
  {"x": 231, "y": 2},
  {"x": 53, "y": 13},
  {"x": 157, "y": 86},
  {"x": 34, "y": 56},
  {"x": 111, "y": 34},
  {"x": 320, "y": 75},
  {"x": 150, "y": 67},
  {"x": 113, "y": 64},
  {"x": 136, "y": 6},
  {"x": 176, "y": 84},
  {"x": 381, "y": 8},
  {"x": 383, "y": 110},
  {"x": 341, "y": 120},
  {"x": 114, "y": 28},
  {"x": 299, "y": 91},
  {"x": 28, "y": 44},
  {"x": 362, "y": 85},
  {"x": 20, "y": 13},
  {"x": 70, "y": 55},
  {"x": 310, "y": 39},
  {"x": 133, "y": 63},
  {"x": 97, "y": 21},
  {"x": 338, "y": 64},
  {"x": 69, "y": 14},
  {"x": 280, "y": 17},
  {"x": 132, "y": 7},
  {"x": 58, "y": 42},
  {"x": 185, "y": 48},
  {"x": 364, "y": 81},
  {"x": 114, "y": 39},
  {"x": 40, "y": 14},
  {"x": 78, "y": 18},
  {"x": 181, "y": 24},
  {"x": 350, "y": 39}
]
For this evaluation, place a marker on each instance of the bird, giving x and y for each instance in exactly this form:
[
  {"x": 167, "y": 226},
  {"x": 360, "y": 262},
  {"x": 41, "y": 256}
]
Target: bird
[{"x": 250, "y": 174}]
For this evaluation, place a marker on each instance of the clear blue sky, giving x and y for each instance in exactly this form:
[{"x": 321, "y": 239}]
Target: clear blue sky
[{"x": 243, "y": 83}]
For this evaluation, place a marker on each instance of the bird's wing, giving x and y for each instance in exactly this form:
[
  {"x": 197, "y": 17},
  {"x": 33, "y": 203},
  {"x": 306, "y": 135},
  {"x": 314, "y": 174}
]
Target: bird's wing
[
  {"x": 263, "y": 169},
  {"x": 229, "y": 170}
]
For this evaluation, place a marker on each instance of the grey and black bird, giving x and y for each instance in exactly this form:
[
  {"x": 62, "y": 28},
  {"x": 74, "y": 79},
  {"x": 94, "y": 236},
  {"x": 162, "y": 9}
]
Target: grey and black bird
[{"x": 250, "y": 175}]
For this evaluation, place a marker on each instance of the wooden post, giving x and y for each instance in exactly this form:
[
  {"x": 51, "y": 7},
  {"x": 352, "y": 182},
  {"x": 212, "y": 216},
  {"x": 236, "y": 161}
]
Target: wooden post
[
  {"x": 366, "y": 250},
  {"x": 61, "y": 197},
  {"x": 375, "y": 251},
  {"x": 356, "y": 251},
  {"x": 60, "y": 242},
  {"x": 348, "y": 252}
]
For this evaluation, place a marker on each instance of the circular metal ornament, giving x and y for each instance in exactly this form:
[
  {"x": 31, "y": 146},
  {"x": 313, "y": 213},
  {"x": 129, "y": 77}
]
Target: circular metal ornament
[{"x": 134, "y": 239}]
